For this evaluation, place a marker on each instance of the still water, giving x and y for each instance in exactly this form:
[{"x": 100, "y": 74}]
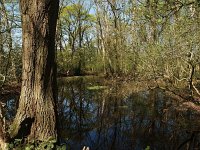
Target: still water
[
  {"x": 113, "y": 116},
  {"x": 110, "y": 116}
]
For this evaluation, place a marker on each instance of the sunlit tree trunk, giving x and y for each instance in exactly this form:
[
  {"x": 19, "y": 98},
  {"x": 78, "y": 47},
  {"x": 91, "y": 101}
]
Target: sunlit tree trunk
[
  {"x": 38, "y": 92},
  {"x": 101, "y": 41}
]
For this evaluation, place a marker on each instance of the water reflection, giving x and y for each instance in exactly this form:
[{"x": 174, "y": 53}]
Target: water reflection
[
  {"x": 9, "y": 103},
  {"x": 113, "y": 119},
  {"x": 108, "y": 115}
]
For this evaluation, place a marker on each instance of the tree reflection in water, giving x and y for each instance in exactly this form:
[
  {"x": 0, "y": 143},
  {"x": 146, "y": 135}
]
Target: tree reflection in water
[
  {"x": 111, "y": 119},
  {"x": 115, "y": 118}
]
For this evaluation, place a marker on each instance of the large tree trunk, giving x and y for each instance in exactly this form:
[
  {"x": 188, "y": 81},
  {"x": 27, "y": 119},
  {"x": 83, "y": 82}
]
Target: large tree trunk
[{"x": 36, "y": 115}]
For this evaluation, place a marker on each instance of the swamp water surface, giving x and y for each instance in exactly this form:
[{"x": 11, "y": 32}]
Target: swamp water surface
[{"x": 105, "y": 116}]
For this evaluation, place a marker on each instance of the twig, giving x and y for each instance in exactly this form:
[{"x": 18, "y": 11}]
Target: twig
[{"x": 197, "y": 91}]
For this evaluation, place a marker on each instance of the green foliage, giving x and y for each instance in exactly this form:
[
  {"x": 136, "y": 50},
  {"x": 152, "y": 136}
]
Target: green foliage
[
  {"x": 63, "y": 147},
  {"x": 75, "y": 11},
  {"x": 149, "y": 40},
  {"x": 48, "y": 145},
  {"x": 17, "y": 144},
  {"x": 29, "y": 147},
  {"x": 97, "y": 87},
  {"x": 147, "y": 148}
]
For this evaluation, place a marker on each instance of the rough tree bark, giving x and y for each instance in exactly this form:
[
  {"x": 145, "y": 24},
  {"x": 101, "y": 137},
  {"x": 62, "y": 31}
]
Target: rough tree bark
[{"x": 36, "y": 114}]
